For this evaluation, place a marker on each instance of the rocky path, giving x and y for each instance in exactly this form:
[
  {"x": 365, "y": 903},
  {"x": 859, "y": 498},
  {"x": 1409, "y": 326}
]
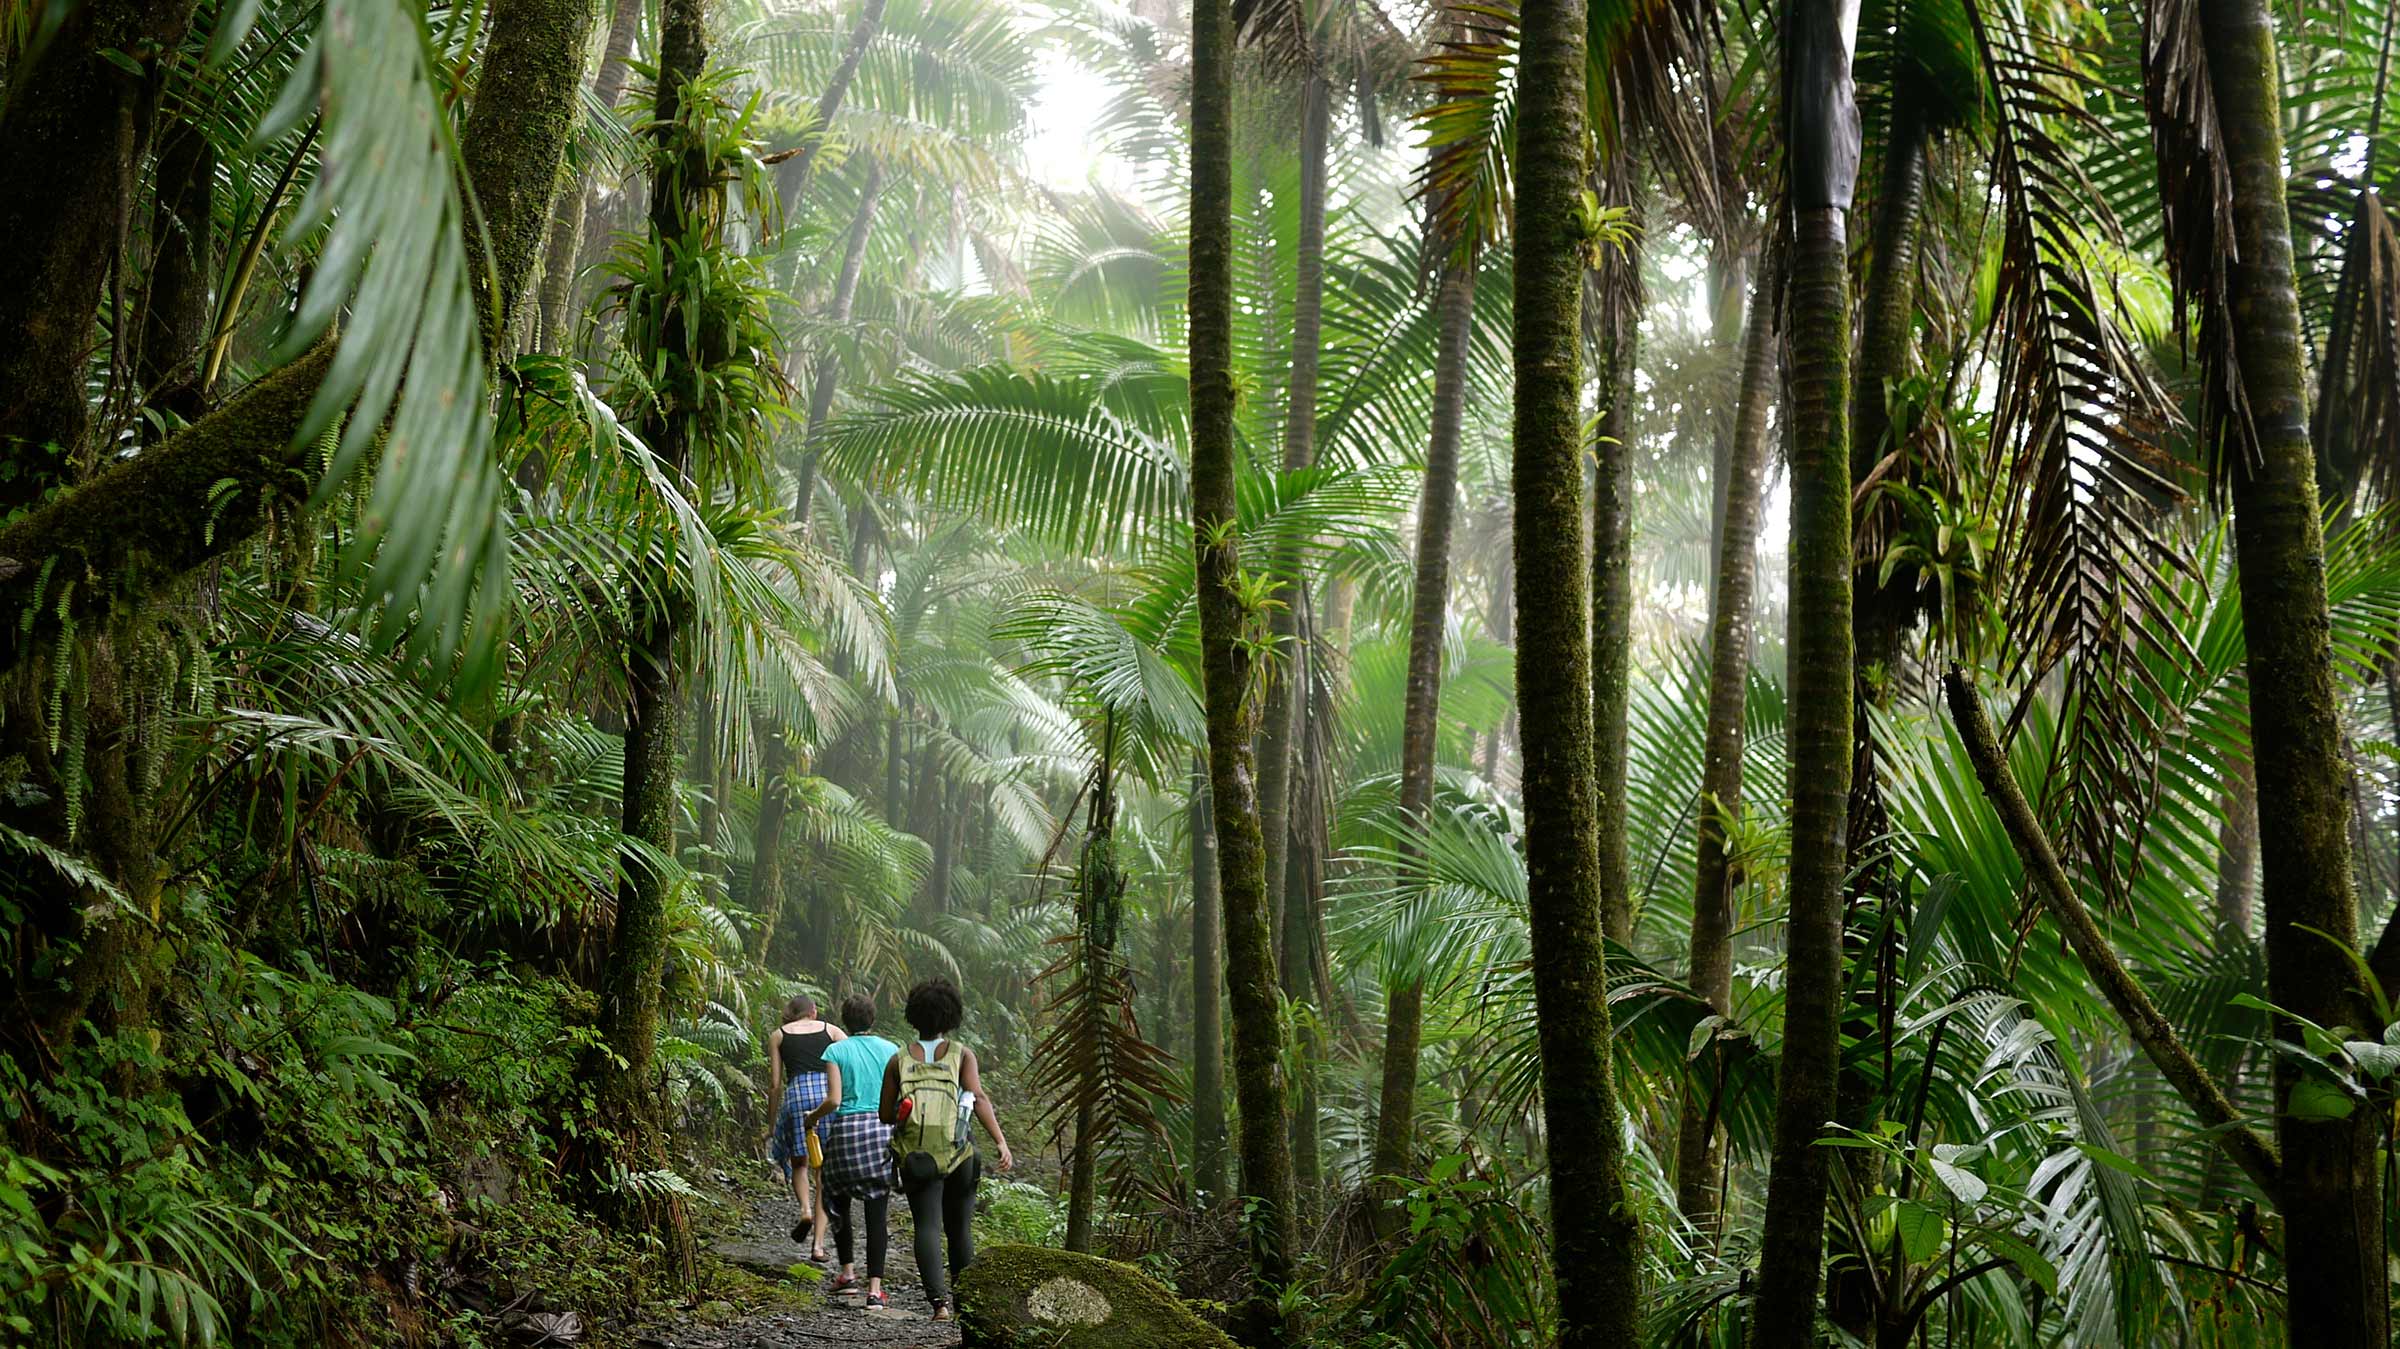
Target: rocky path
[{"x": 762, "y": 1244}]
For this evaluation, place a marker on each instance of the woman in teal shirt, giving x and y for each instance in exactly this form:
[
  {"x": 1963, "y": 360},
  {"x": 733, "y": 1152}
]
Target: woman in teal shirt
[{"x": 858, "y": 1161}]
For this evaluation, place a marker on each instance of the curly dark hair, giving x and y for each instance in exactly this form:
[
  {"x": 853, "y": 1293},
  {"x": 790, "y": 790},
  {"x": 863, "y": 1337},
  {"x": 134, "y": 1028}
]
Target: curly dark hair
[
  {"x": 935, "y": 1008},
  {"x": 858, "y": 1014}
]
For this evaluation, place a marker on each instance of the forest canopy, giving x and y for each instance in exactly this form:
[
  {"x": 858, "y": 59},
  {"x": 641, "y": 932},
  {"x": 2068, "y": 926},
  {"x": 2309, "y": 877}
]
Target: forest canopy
[{"x": 1459, "y": 675}]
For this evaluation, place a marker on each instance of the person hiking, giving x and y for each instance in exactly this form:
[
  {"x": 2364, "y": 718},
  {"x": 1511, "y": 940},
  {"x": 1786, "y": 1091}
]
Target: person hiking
[
  {"x": 931, "y": 1089},
  {"x": 795, "y": 1086},
  {"x": 858, "y": 1145}
]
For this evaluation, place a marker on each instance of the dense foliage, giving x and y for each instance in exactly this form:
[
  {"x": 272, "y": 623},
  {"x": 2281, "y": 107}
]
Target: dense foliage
[{"x": 1553, "y": 672}]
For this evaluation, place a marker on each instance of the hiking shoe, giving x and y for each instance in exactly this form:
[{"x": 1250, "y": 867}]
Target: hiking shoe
[
  {"x": 843, "y": 1283},
  {"x": 879, "y": 1300}
]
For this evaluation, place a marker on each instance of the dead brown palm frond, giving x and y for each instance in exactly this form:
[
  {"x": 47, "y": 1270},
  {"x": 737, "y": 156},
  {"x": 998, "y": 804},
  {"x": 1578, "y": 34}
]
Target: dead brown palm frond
[
  {"x": 2355, "y": 425},
  {"x": 2195, "y": 196},
  {"x": 2089, "y": 582}
]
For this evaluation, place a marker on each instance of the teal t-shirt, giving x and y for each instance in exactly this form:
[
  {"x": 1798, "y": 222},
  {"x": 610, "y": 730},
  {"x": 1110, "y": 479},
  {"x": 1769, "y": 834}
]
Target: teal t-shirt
[{"x": 861, "y": 1059}]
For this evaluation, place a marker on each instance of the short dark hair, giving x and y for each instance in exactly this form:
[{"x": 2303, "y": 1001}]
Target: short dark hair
[
  {"x": 858, "y": 1014},
  {"x": 799, "y": 1007},
  {"x": 935, "y": 1008}
]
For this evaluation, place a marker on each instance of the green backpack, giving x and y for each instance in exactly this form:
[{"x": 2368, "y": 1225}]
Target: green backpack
[{"x": 932, "y": 1140}]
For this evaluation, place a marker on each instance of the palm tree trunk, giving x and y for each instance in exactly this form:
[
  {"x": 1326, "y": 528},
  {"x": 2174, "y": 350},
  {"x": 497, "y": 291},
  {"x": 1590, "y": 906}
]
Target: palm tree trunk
[
  {"x": 1612, "y": 553},
  {"x": 1208, "y": 1000},
  {"x": 1225, "y": 671},
  {"x": 2331, "y": 1199},
  {"x": 1821, "y": 120},
  {"x": 828, "y": 376},
  {"x": 1879, "y": 620},
  {"x": 578, "y": 218},
  {"x": 1595, "y": 1239},
  {"x": 2237, "y": 850},
  {"x": 1297, "y": 963},
  {"x": 792, "y": 184},
  {"x": 1420, "y": 719},
  {"x": 1275, "y": 736},
  {"x": 1697, "y": 1155}
]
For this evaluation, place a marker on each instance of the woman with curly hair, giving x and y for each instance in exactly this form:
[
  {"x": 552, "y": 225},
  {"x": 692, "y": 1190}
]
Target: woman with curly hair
[{"x": 931, "y": 1090}]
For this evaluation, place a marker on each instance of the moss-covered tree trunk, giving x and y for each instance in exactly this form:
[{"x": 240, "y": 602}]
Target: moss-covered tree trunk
[
  {"x": 1620, "y": 334},
  {"x": 1420, "y": 717},
  {"x": 73, "y": 140},
  {"x": 1698, "y": 1155},
  {"x": 1226, "y": 629},
  {"x": 132, "y": 522},
  {"x": 1276, "y": 743},
  {"x": 576, "y": 222},
  {"x": 1821, "y": 145},
  {"x": 1208, "y": 999},
  {"x": 625, "y": 1065},
  {"x": 1302, "y": 889},
  {"x": 2331, "y": 1200},
  {"x": 1595, "y": 1242},
  {"x": 535, "y": 45}
]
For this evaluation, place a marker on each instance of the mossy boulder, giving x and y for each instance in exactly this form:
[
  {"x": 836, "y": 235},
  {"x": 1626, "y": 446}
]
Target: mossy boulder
[{"x": 1015, "y": 1296}]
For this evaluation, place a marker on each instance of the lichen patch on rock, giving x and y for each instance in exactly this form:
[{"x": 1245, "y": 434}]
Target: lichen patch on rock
[{"x": 1068, "y": 1302}]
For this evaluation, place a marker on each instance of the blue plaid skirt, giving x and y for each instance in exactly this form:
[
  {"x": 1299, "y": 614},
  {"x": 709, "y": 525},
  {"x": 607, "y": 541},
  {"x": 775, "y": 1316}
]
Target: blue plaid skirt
[
  {"x": 806, "y": 1093},
  {"x": 858, "y": 1156}
]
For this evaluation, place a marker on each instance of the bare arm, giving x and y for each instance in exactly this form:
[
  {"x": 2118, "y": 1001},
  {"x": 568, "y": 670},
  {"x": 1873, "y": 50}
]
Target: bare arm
[
  {"x": 833, "y": 1094},
  {"x": 889, "y": 1110},
  {"x": 970, "y": 1078},
  {"x": 774, "y": 1069}
]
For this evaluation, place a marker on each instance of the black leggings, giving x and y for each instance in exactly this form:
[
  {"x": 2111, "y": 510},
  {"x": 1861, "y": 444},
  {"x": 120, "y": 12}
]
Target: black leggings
[
  {"x": 879, "y": 1228},
  {"x": 945, "y": 1204}
]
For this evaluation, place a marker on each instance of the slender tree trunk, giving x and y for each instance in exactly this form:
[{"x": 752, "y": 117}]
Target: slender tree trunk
[
  {"x": 73, "y": 137},
  {"x": 1208, "y": 1000},
  {"x": 2147, "y": 1026},
  {"x": 1612, "y": 549},
  {"x": 1283, "y": 694},
  {"x": 1697, "y": 1158},
  {"x": 894, "y": 809},
  {"x": 1821, "y": 143},
  {"x": 1879, "y": 620},
  {"x": 1595, "y": 1240},
  {"x": 1298, "y": 963},
  {"x": 828, "y": 376},
  {"x": 792, "y": 183},
  {"x": 2237, "y": 849},
  {"x": 1226, "y": 673},
  {"x": 2331, "y": 1199},
  {"x": 625, "y": 1064},
  {"x": 1420, "y": 721},
  {"x": 576, "y": 225}
]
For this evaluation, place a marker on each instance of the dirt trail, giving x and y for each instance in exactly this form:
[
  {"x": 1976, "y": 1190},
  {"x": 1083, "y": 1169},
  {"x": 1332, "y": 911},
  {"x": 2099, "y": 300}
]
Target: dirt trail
[{"x": 762, "y": 1243}]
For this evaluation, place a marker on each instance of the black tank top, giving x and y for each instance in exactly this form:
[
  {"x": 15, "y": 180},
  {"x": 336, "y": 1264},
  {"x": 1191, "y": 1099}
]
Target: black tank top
[{"x": 805, "y": 1052}]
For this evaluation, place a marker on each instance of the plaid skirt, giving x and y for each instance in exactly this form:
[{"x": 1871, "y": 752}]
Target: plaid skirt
[
  {"x": 806, "y": 1093},
  {"x": 858, "y": 1156}
]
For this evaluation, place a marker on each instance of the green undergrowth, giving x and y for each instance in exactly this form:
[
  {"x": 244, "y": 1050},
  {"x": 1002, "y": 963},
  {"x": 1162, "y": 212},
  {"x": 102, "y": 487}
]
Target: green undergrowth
[{"x": 286, "y": 1158}]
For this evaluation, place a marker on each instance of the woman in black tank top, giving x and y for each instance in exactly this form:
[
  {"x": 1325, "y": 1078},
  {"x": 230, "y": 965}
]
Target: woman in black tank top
[
  {"x": 805, "y": 1052},
  {"x": 795, "y": 1086}
]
